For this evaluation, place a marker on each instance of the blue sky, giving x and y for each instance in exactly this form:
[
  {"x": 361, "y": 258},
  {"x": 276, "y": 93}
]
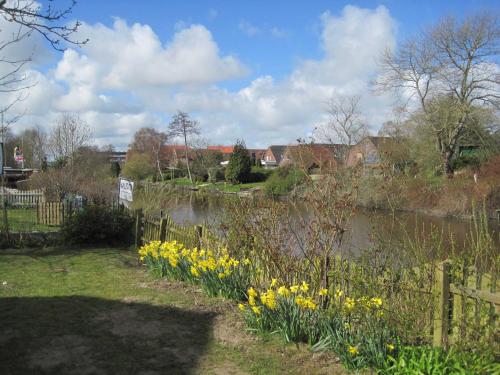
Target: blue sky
[
  {"x": 257, "y": 70},
  {"x": 262, "y": 52}
]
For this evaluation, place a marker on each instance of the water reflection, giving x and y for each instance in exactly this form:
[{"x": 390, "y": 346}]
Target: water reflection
[{"x": 367, "y": 227}]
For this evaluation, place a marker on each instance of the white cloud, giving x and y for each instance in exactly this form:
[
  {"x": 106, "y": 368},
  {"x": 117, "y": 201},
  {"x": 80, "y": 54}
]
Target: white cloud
[
  {"x": 128, "y": 57},
  {"x": 126, "y": 78}
]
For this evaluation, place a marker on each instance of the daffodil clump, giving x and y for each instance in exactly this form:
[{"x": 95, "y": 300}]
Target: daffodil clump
[
  {"x": 357, "y": 332},
  {"x": 217, "y": 273},
  {"x": 291, "y": 310}
]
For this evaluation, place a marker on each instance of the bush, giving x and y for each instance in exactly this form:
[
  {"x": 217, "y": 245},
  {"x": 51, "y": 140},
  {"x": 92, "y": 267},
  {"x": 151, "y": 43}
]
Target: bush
[
  {"x": 98, "y": 225},
  {"x": 283, "y": 180},
  {"x": 138, "y": 167},
  {"x": 258, "y": 174}
]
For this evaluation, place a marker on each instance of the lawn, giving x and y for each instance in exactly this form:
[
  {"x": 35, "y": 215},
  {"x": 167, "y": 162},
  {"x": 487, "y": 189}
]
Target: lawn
[
  {"x": 24, "y": 220},
  {"x": 97, "y": 311},
  {"x": 234, "y": 188}
]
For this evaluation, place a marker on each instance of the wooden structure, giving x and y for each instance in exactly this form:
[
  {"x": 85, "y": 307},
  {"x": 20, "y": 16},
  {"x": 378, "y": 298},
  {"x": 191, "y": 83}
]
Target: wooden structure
[
  {"x": 21, "y": 198},
  {"x": 162, "y": 228},
  {"x": 53, "y": 213}
]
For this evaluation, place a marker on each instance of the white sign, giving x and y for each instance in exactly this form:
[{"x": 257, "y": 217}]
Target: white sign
[{"x": 126, "y": 190}]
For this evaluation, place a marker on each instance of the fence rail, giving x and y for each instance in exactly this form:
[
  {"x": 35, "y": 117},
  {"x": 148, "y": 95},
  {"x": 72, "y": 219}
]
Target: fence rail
[
  {"x": 455, "y": 297},
  {"x": 28, "y": 198}
]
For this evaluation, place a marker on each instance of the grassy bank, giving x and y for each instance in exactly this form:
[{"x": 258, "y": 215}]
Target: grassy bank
[
  {"x": 97, "y": 311},
  {"x": 435, "y": 195}
]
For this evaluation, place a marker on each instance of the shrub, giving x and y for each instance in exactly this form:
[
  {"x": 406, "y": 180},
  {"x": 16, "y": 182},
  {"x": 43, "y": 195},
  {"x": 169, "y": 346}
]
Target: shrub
[
  {"x": 138, "y": 167},
  {"x": 258, "y": 174},
  {"x": 98, "y": 225},
  {"x": 283, "y": 180}
]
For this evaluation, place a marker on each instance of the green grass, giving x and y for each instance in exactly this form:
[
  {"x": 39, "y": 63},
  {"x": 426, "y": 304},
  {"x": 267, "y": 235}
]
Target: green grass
[
  {"x": 24, "y": 220},
  {"x": 98, "y": 311},
  {"x": 234, "y": 188},
  {"x": 184, "y": 181}
]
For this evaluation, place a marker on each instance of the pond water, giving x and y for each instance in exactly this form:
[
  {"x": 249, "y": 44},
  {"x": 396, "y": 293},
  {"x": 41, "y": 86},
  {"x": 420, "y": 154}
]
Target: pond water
[{"x": 366, "y": 228}]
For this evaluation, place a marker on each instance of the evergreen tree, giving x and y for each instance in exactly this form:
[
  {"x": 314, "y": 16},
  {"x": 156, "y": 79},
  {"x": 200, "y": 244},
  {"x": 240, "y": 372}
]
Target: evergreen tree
[{"x": 240, "y": 163}]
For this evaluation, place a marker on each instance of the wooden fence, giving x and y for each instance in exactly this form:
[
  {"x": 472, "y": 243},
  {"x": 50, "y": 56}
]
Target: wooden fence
[
  {"x": 162, "y": 228},
  {"x": 53, "y": 213},
  {"x": 20, "y": 198},
  {"x": 456, "y": 298},
  {"x": 464, "y": 297}
]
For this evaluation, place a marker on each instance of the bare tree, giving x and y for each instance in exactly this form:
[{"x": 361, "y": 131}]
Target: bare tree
[
  {"x": 346, "y": 125},
  {"x": 451, "y": 64},
  {"x": 182, "y": 126},
  {"x": 29, "y": 17},
  {"x": 68, "y": 136},
  {"x": 150, "y": 141}
]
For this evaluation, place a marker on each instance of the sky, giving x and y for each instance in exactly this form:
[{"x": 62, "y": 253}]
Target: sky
[{"x": 261, "y": 71}]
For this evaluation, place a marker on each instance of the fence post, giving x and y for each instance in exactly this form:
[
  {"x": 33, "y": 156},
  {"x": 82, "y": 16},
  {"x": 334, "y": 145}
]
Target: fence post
[
  {"x": 163, "y": 229},
  {"x": 199, "y": 233},
  {"x": 138, "y": 226},
  {"x": 442, "y": 306}
]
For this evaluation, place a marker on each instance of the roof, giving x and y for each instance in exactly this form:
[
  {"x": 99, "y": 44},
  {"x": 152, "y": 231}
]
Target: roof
[
  {"x": 223, "y": 149},
  {"x": 377, "y": 141},
  {"x": 278, "y": 151}
]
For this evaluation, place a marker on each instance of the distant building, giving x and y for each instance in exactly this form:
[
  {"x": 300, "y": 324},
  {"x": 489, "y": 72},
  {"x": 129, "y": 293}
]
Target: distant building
[
  {"x": 118, "y": 156},
  {"x": 226, "y": 151},
  {"x": 273, "y": 156},
  {"x": 368, "y": 152},
  {"x": 173, "y": 155},
  {"x": 315, "y": 155}
]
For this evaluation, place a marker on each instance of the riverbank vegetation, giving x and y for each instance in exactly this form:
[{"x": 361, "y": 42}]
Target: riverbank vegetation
[{"x": 376, "y": 309}]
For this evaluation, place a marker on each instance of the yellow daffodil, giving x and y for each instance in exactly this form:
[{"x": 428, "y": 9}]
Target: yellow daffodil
[
  {"x": 294, "y": 288},
  {"x": 349, "y": 303},
  {"x": 304, "y": 287},
  {"x": 251, "y": 292},
  {"x": 242, "y": 307},
  {"x": 283, "y": 291},
  {"x": 323, "y": 292},
  {"x": 194, "y": 272},
  {"x": 274, "y": 282},
  {"x": 390, "y": 347},
  {"x": 256, "y": 310},
  {"x": 376, "y": 302},
  {"x": 353, "y": 350}
]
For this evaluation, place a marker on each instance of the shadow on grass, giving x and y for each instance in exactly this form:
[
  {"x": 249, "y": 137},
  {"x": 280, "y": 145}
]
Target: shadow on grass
[{"x": 84, "y": 335}]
